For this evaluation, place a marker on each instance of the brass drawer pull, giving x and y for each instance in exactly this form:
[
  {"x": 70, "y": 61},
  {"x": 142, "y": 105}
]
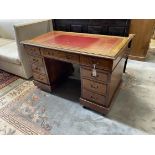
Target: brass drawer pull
[
  {"x": 95, "y": 87},
  {"x": 49, "y": 53},
  {"x": 38, "y": 69},
  {"x": 93, "y": 98},
  {"x": 35, "y": 60},
  {"x": 68, "y": 56},
  {"x": 41, "y": 78}
]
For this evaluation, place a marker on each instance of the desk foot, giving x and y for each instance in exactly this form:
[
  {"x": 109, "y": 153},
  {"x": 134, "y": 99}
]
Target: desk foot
[
  {"x": 90, "y": 105},
  {"x": 43, "y": 86},
  {"x": 86, "y": 107}
]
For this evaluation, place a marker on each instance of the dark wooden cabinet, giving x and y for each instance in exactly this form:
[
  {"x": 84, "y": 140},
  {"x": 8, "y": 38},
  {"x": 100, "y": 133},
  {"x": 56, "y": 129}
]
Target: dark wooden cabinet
[{"x": 117, "y": 27}]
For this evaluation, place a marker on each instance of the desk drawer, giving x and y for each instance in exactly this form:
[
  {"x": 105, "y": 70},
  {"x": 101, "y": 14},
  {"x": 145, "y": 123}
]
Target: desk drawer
[
  {"x": 40, "y": 77},
  {"x": 97, "y": 87},
  {"x": 37, "y": 60},
  {"x": 33, "y": 51},
  {"x": 64, "y": 56},
  {"x": 99, "y": 99},
  {"x": 38, "y": 68},
  {"x": 100, "y": 76},
  {"x": 100, "y": 63},
  {"x": 47, "y": 52},
  {"x": 69, "y": 57}
]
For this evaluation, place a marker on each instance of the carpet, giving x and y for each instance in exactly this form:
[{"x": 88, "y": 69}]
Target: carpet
[
  {"x": 7, "y": 83},
  {"x": 28, "y": 110},
  {"x": 33, "y": 112},
  {"x": 6, "y": 79},
  {"x": 21, "y": 111}
]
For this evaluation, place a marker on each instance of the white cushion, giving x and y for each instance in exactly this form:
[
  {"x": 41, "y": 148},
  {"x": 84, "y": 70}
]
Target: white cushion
[
  {"x": 7, "y": 27},
  {"x": 9, "y": 53},
  {"x": 5, "y": 41}
]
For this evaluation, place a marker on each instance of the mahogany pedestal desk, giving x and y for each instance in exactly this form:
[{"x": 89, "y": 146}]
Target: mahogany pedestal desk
[{"x": 101, "y": 59}]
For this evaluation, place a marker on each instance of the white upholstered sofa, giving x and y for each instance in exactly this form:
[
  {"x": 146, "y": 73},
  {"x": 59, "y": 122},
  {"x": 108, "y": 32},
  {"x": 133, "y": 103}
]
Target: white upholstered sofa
[{"x": 13, "y": 57}]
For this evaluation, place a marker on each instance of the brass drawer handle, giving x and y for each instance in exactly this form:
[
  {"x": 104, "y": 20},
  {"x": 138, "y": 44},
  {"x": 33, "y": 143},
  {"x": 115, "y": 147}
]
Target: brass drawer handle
[
  {"x": 35, "y": 60},
  {"x": 93, "y": 98},
  {"x": 92, "y": 86},
  {"x": 41, "y": 78},
  {"x": 68, "y": 56},
  {"x": 38, "y": 69},
  {"x": 48, "y": 53}
]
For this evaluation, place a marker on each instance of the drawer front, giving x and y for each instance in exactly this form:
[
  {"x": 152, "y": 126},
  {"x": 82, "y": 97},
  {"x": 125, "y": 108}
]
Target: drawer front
[
  {"x": 33, "y": 51},
  {"x": 38, "y": 68},
  {"x": 69, "y": 57},
  {"x": 47, "y": 52},
  {"x": 99, "y": 99},
  {"x": 100, "y": 76},
  {"x": 40, "y": 77},
  {"x": 97, "y": 87},
  {"x": 37, "y": 60},
  {"x": 64, "y": 56},
  {"x": 100, "y": 63}
]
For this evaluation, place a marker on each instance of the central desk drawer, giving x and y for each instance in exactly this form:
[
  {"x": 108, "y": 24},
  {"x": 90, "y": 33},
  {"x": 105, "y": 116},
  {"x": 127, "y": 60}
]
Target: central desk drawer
[
  {"x": 67, "y": 57},
  {"x": 99, "y": 99},
  {"x": 64, "y": 56},
  {"x": 97, "y": 87},
  {"x": 100, "y": 76}
]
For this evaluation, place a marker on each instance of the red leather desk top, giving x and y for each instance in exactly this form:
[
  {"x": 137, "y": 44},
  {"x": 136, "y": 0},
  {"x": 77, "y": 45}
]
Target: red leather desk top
[{"x": 100, "y": 45}]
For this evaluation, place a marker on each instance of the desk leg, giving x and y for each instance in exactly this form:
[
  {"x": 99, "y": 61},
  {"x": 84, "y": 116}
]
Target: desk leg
[{"x": 125, "y": 64}]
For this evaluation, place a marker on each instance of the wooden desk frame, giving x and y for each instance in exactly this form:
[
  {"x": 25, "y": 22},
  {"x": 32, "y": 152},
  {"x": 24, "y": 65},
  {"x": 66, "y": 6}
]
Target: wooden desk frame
[{"x": 50, "y": 65}]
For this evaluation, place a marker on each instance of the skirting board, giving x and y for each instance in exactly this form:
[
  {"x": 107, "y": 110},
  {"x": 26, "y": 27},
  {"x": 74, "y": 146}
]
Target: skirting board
[{"x": 136, "y": 58}]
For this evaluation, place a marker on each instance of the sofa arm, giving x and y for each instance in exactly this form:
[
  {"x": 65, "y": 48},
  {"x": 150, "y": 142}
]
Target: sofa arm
[{"x": 28, "y": 31}]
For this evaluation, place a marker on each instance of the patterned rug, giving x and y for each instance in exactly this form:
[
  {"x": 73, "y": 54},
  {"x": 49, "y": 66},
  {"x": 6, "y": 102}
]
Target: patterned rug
[
  {"x": 25, "y": 109},
  {"x": 32, "y": 111},
  {"x": 7, "y": 83},
  {"x": 6, "y": 79},
  {"x": 19, "y": 109}
]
